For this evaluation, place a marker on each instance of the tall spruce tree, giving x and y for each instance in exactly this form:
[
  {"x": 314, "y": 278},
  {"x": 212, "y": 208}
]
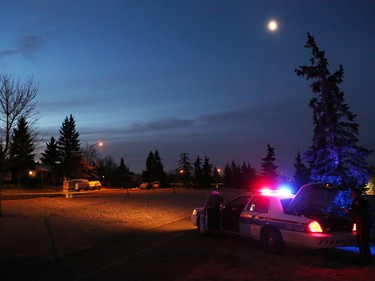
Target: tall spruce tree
[
  {"x": 154, "y": 168},
  {"x": 159, "y": 173},
  {"x": 21, "y": 150},
  {"x": 206, "y": 173},
  {"x": 197, "y": 174},
  {"x": 122, "y": 168},
  {"x": 69, "y": 147},
  {"x": 268, "y": 167},
  {"x": 124, "y": 174},
  {"x": 51, "y": 155},
  {"x": 147, "y": 174},
  {"x": 185, "y": 168},
  {"x": 301, "y": 174},
  {"x": 334, "y": 156},
  {"x": 228, "y": 176}
]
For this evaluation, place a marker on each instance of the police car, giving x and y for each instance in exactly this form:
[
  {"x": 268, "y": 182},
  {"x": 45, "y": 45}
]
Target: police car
[{"x": 278, "y": 218}]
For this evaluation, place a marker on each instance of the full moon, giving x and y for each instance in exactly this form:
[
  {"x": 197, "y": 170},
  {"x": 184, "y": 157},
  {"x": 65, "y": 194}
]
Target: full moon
[{"x": 273, "y": 25}]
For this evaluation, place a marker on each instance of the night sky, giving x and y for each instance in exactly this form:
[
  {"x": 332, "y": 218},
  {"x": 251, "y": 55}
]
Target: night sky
[{"x": 188, "y": 76}]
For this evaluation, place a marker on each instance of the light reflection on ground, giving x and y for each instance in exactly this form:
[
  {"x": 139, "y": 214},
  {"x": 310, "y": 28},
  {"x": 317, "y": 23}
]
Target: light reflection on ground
[{"x": 355, "y": 249}]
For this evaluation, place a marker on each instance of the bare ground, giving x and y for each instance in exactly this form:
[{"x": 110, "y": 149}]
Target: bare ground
[{"x": 44, "y": 228}]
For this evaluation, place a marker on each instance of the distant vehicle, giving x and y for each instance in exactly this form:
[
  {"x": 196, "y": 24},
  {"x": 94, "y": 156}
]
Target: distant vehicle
[
  {"x": 277, "y": 219},
  {"x": 95, "y": 185},
  {"x": 145, "y": 185},
  {"x": 78, "y": 184},
  {"x": 149, "y": 185},
  {"x": 155, "y": 184}
]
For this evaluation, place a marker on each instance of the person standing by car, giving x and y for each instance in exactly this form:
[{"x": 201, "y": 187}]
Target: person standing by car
[{"x": 361, "y": 217}]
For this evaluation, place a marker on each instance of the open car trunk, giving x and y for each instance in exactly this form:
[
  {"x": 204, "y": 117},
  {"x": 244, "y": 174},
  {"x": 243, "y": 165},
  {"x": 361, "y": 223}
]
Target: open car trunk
[{"x": 323, "y": 204}]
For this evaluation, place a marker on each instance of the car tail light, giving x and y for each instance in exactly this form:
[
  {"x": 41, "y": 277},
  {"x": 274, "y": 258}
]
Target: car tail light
[
  {"x": 314, "y": 227},
  {"x": 354, "y": 228}
]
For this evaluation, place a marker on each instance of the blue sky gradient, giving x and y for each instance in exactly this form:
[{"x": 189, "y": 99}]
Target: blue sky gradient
[{"x": 202, "y": 77}]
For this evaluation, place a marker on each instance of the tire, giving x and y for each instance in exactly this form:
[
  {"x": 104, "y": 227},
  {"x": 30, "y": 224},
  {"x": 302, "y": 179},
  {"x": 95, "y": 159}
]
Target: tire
[{"x": 272, "y": 241}]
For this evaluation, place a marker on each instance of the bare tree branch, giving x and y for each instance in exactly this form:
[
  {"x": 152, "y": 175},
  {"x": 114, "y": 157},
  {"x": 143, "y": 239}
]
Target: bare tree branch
[{"x": 16, "y": 99}]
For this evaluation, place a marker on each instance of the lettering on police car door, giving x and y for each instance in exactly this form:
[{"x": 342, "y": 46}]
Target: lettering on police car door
[{"x": 295, "y": 227}]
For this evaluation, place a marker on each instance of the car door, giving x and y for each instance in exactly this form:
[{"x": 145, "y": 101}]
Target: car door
[
  {"x": 210, "y": 218},
  {"x": 254, "y": 216},
  {"x": 230, "y": 216}
]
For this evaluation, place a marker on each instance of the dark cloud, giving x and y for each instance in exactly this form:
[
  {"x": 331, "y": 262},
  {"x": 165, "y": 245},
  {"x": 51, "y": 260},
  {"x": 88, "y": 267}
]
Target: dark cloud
[
  {"x": 259, "y": 113},
  {"x": 161, "y": 125},
  {"x": 27, "y": 46},
  {"x": 132, "y": 131},
  {"x": 7, "y": 53}
]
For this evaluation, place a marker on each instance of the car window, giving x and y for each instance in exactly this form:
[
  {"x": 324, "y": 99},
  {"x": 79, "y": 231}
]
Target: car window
[
  {"x": 238, "y": 203},
  {"x": 285, "y": 202},
  {"x": 259, "y": 204},
  {"x": 214, "y": 201}
]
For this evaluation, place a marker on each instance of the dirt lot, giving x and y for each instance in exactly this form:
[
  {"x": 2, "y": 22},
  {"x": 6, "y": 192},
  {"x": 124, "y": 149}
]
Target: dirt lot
[
  {"x": 28, "y": 225},
  {"x": 47, "y": 227}
]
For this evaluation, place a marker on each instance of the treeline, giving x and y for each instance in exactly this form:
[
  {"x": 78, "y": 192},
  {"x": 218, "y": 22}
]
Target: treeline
[{"x": 334, "y": 156}]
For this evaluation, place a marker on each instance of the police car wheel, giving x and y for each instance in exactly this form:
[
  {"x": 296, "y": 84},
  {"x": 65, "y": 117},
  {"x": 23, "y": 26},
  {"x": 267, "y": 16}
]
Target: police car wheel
[{"x": 272, "y": 241}]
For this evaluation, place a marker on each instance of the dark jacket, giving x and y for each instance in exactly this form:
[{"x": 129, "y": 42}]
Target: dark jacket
[{"x": 359, "y": 211}]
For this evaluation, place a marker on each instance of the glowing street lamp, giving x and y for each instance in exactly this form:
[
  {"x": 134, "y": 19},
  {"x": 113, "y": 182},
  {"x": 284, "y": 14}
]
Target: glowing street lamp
[{"x": 90, "y": 151}]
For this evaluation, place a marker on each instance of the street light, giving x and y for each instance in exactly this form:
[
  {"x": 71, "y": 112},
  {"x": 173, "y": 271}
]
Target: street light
[{"x": 90, "y": 151}]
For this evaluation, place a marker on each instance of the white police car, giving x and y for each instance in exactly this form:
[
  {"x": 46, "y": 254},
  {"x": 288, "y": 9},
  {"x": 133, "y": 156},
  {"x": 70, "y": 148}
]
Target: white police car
[{"x": 278, "y": 218}]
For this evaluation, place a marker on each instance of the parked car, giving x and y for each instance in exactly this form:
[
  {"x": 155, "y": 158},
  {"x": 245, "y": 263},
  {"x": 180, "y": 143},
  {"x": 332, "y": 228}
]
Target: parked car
[
  {"x": 145, "y": 185},
  {"x": 277, "y": 219},
  {"x": 155, "y": 184},
  {"x": 78, "y": 184},
  {"x": 95, "y": 185}
]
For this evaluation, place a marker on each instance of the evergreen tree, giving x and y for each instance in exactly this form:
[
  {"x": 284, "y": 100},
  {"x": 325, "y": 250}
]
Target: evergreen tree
[
  {"x": 70, "y": 154},
  {"x": 198, "y": 173},
  {"x": 21, "y": 150},
  {"x": 236, "y": 175},
  {"x": 51, "y": 154},
  {"x": 206, "y": 173},
  {"x": 334, "y": 156},
  {"x": 268, "y": 166},
  {"x": 185, "y": 168},
  {"x": 216, "y": 175},
  {"x": 154, "y": 169},
  {"x": 227, "y": 176},
  {"x": 150, "y": 162},
  {"x": 123, "y": 173},
  {"x": 248, "y": 176},
  {"x": 122, "y": 168},
  {"x": 301, "y": 174},
  {"x": 159, "y": 173},
  {"x": 239, "y": 176}
]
